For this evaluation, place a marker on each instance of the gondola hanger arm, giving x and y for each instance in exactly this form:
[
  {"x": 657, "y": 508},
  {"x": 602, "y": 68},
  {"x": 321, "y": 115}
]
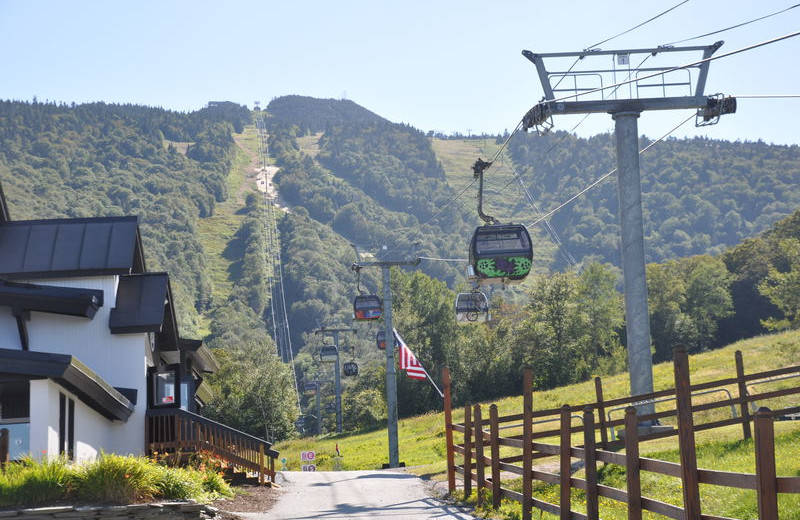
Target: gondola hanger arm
[{"x": 478, "y": 168}]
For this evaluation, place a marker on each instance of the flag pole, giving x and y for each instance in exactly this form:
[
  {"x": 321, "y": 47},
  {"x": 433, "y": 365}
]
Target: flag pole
[{"x": 434, "y": 384}]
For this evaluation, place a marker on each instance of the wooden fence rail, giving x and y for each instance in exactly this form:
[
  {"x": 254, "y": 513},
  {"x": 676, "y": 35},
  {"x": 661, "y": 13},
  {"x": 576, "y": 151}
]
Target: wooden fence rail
[{"x": 482, "y": 442}]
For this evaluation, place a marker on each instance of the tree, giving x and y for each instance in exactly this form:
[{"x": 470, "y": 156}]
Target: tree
[
  {"x": 600, "y": 305},
  {"x": 548, "y": 336},
  {"x": 254, "y": 391},
  {"x": 687, "y": 299},
  {"x": 782, "y": 288}
]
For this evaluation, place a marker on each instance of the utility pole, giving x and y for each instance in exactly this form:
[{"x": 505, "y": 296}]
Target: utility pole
[
  {"x": 391, "y": 377},
  {"x": 625, "y": 103},
  {"x": 334, "y": 333}
]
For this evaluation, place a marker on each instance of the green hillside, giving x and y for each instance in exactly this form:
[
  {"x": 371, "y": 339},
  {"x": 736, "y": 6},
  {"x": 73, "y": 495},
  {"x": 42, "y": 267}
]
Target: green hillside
[{"x": 422, "y": 443}]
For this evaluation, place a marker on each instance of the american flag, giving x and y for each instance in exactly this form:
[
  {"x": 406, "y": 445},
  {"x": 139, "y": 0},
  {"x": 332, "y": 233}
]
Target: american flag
[{"x": 408, "y": 361}]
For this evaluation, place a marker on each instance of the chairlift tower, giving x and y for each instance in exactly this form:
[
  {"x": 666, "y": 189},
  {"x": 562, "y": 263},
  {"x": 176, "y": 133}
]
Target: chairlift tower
[
  {"x": 625, "y": 91},
  {"x": 334, "y": 333},
  {"x": 391, "y": 373}
]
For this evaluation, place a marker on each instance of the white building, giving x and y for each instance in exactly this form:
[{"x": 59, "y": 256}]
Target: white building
[{"x": 90, "y": 356}]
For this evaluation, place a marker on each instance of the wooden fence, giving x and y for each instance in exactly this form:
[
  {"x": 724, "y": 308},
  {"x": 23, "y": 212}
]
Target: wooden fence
[
  {"x": 483, "y": 440},
  {"x": 180, "y": 432}
]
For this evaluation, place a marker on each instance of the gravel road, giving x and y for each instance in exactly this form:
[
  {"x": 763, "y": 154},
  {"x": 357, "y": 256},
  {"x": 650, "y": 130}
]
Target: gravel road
[{"x": 390, "y": 494}]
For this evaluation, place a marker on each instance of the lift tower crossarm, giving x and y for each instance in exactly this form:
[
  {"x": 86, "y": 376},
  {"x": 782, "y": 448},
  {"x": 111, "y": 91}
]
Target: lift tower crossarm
[{"x": 553, "y": 105}]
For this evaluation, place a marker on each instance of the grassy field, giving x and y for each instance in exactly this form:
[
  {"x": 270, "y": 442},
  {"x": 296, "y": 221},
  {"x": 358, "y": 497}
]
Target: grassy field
[{"x": 422, "y": 442}]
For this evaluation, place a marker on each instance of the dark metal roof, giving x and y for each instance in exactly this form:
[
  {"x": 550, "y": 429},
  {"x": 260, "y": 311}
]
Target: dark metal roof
[
  {"x": 70, "y": 247},
  {"x": 141, "y": 303},
  {"x": 52, "y": 299},
  {"x": 72, "y": 375}
]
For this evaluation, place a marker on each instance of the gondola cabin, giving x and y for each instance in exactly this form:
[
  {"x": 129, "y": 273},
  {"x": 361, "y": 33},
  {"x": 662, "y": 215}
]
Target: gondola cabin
[
  {"x": 472, "y": 307},
  {"x": 350, "y": 368},
  {"x": 367, "y": 307},
  {"x": 328, "y": 354},
  {"x": 501, "y": 253},
  {"x": 380, "y": 340}
]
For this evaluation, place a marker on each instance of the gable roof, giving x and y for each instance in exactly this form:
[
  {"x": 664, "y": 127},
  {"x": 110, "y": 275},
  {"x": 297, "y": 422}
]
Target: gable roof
[{"x": 70, "y": 247}]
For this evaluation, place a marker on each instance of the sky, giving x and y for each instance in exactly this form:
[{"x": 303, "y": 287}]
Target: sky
[{"x": 451, "y": 66}]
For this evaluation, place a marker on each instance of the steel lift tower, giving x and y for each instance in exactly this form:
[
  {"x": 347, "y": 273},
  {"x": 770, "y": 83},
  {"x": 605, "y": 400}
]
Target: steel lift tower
[
  {"x": 391, "y": 378},
  {"x": 616, "y": 87}
]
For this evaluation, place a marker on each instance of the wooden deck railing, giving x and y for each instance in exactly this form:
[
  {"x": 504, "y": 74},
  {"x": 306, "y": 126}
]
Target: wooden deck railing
[
  {"x": 178, "y": 431},
  {"x": 482, "y": 443}
]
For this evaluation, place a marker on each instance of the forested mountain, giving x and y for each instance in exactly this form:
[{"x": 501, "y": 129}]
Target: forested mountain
[
  {"x": 721, "y": 252},
  {"x": 698, "y": 195},
  {"x": 96, "y": 160}
]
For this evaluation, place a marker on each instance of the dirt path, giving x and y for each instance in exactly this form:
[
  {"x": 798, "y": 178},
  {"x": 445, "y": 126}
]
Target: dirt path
[{"x": 261, "y": 177}]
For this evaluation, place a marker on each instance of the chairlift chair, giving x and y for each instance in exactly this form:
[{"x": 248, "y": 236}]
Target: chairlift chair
[
  {"x": 367, "y": 307},
  {"x": 501, "y": 253},
  {"x": 472, "y": 307}
]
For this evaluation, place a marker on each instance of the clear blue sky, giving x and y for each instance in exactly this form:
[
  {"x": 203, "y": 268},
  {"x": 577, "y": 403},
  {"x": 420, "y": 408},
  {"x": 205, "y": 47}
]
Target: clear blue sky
[{"x": 447, "y": 65}]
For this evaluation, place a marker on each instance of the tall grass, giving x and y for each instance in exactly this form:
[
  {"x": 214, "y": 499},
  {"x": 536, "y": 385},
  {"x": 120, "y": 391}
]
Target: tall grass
[{"x": 111, "y": 479}]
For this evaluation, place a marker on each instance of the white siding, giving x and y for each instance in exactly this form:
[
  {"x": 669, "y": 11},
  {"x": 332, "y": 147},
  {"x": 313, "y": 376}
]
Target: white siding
[
  {"x": 121, "y": 360},
  {"x": 9, "y": 335},
  {"x": 92, "y": 431}
]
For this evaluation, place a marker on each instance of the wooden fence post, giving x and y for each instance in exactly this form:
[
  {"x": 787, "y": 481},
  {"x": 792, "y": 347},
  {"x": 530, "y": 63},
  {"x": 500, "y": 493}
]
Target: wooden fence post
[
  {"x": 766, "y": 480},
  {"x": 448, "y": 432},
  {"x": 601, "y": 412},
  {"x": 467, "y": 450},
  {"x": 527, "y": 441},
  {"x": 744, "y": 407},
  {"x": 494, "y": 425},
  {"x": 479, "y": 459},
  {"x": 261, "y": 470},
  {"x": 688, "y": 456},
  {"x": 632, "y": 473},
  {"x": 565, "y": 462},
  {"x": 592, "y": 503},
  {"x": 4, "y": 451}
]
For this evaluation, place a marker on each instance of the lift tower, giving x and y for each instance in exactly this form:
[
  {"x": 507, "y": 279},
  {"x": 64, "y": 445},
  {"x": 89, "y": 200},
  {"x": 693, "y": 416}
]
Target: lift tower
[
  {"x": 391, "y": 378},
  {"x": 328, "y": 355},
  {"x": 625, "y": 91}
]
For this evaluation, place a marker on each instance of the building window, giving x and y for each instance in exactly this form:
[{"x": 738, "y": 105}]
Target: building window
[
  {"x": 15, "y": 417},
  {"x": 15, "y": 402},
  {"x": 164, "y": 389},
  {"x": 66, "y": 426}
]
